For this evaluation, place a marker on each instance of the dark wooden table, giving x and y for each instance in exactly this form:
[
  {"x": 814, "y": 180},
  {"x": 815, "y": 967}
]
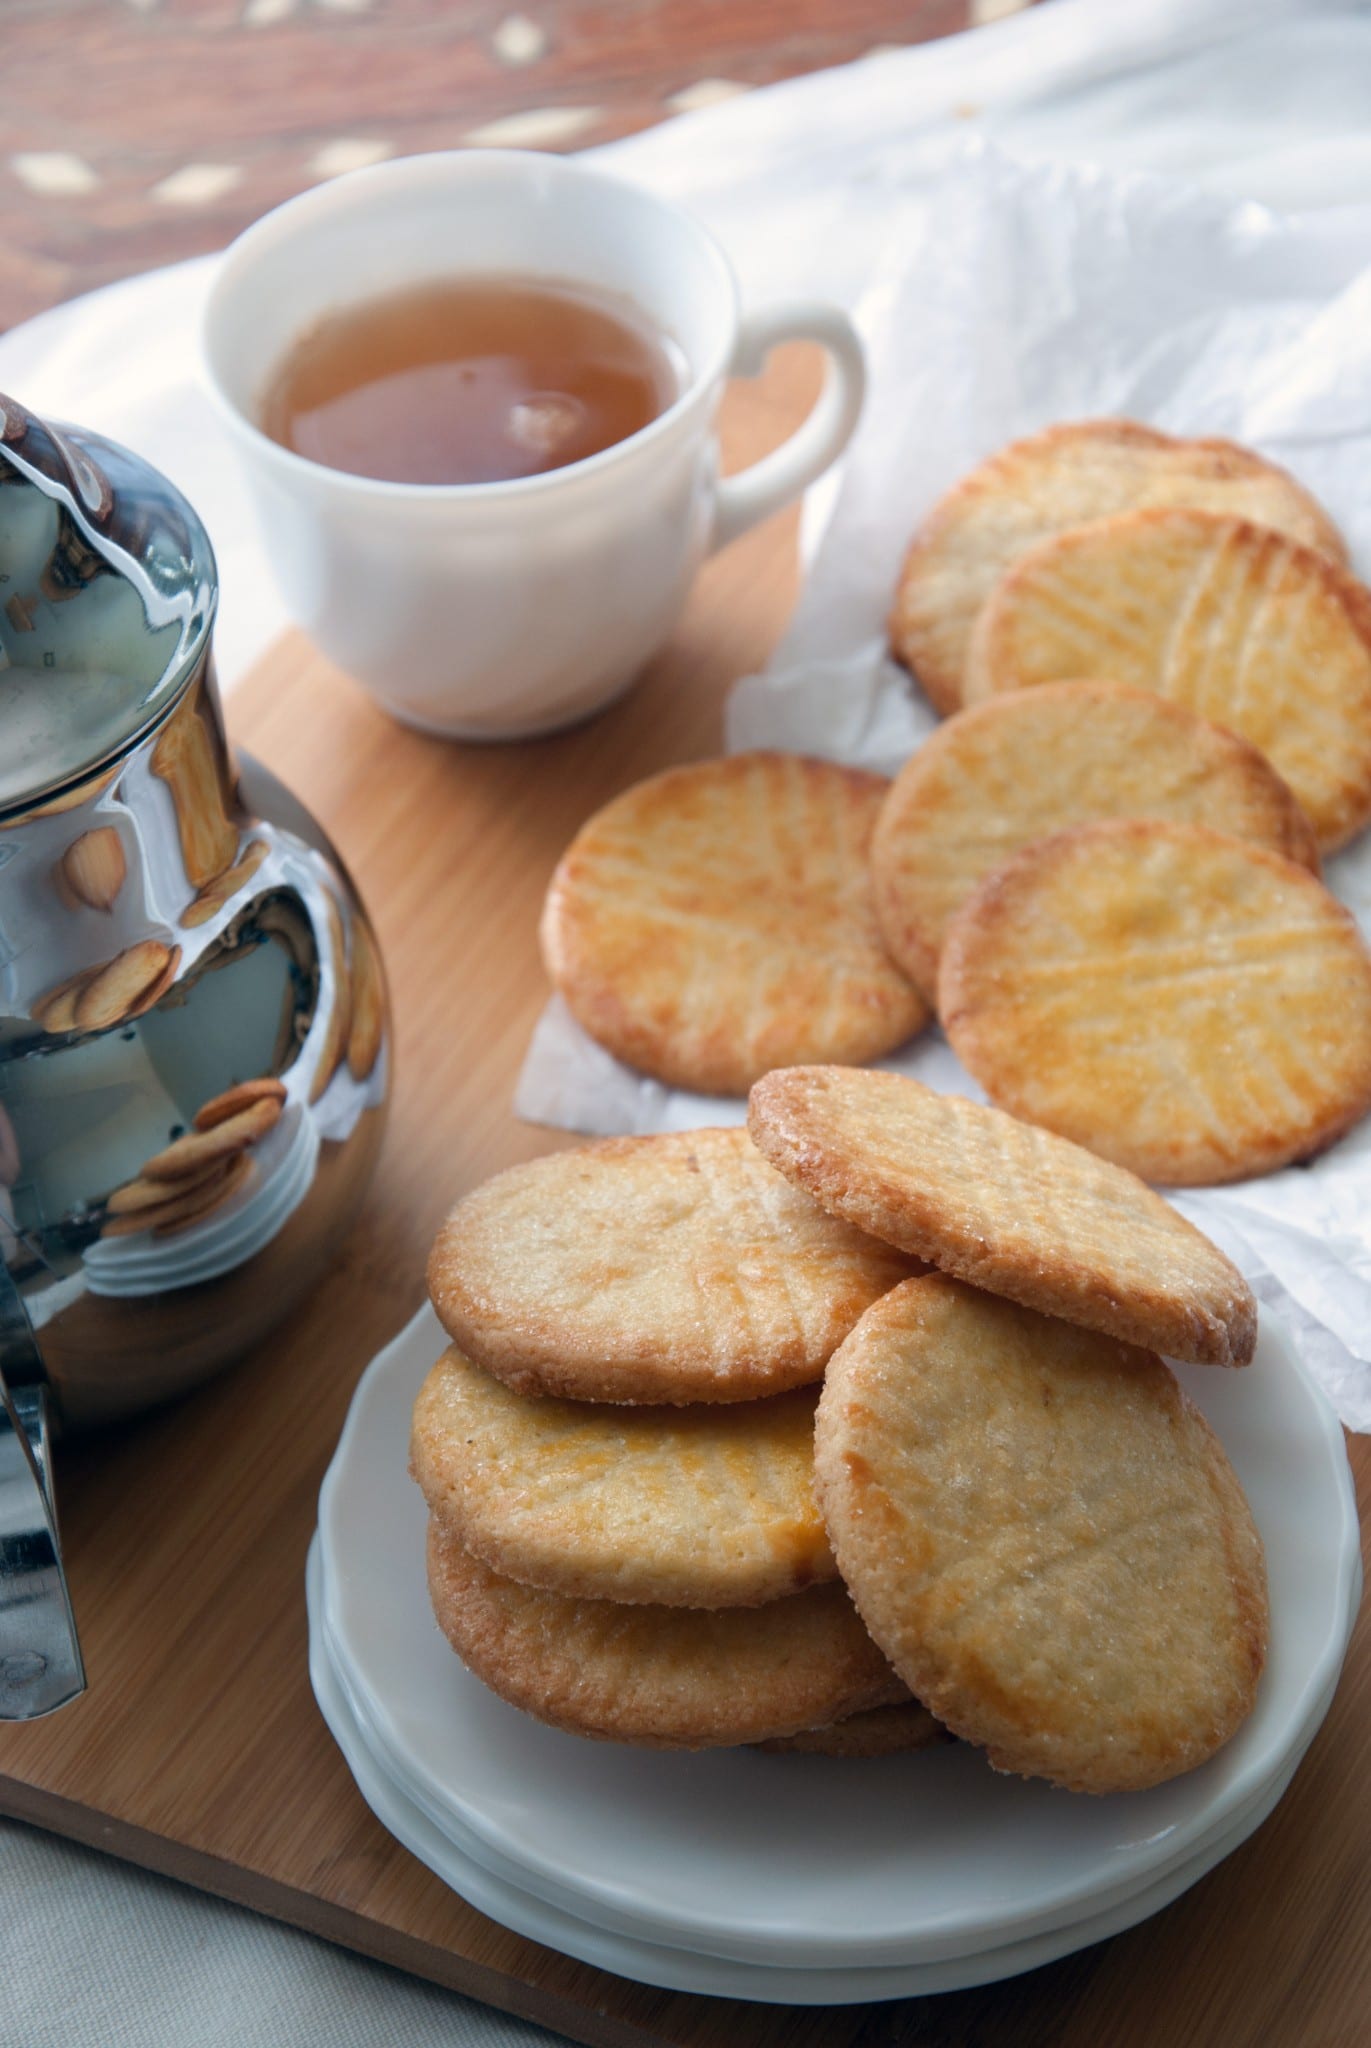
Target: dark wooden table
[{"x": 134, "y": 132}]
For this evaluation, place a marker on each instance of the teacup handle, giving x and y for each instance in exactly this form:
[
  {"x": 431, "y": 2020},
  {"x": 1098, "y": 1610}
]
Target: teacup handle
[{"x": 778, "y": 478}]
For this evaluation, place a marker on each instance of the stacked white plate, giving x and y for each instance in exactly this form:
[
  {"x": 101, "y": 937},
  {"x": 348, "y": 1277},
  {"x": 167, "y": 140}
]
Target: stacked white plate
[{"x": 801, "y": 1879}]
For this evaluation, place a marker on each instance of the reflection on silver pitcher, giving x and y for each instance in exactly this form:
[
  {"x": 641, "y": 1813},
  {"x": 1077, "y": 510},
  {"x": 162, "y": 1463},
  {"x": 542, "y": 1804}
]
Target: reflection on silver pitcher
[{"x": 194, "y": 1043}]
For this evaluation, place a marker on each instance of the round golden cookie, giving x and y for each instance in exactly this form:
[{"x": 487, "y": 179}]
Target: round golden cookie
[
  {"x": 93, "y": 869},
  {"x": 184, "y": 1202},
  {"x": 55, "y": 1009},
  {"x": 666, "y": 1677},
  {"x": 1022, "y": 766},
  {"x": 1044, "y": 1536},
  {"x": 880, "y": 1731},
  {"x": 678, "y": 1268},
  {"x": 1006, "y": 1207},
  {"x": 238, "y": 1096},
  {"x": 1048, "y": 483},
  {"x": 683, "y": 1507},
  {"x": 1243, "y": 625},
  {"x": 717, "y": 921},
  {"x": 186, "y": 1157},
  {"x": 120, "y": 988},
  {"x": 1191, "y": 1007},
  {"x": 367, "y": 1012},
  {"x": 138, "y": 1193},
  {"x": 338, "y": 1022},
  {"x": 211, "y": 899}
]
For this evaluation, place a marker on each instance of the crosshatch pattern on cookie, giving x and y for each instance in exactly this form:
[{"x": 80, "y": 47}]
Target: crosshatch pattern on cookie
[
  {"x": 1029, "y": 763},
  {"x": 675, "y": 1268},
  {"x": 706, "y": 1506},
  {"x": 719, "y": 920},
  {"x": 665, "y": 1677},
  {"x": 1013, "y": 1209},
  {"x": 1243, "y": 625},
  {"x": 1044, "y": 1535},
  {"x": 1063, "y": 477},
  {"x": 1191, "y": 1007}
]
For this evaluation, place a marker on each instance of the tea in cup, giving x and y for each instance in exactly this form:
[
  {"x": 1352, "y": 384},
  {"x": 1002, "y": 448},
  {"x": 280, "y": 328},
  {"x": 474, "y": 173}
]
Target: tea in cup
[
  {"x": 506, "y": 566},
  {"x": 471, "y": 381}
]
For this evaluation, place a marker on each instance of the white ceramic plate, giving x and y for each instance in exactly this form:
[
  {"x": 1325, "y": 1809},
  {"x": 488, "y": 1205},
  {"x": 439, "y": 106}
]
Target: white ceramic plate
[
  {"x": 1111, "y": 1912},
  {"x": 678, "y": 1969},
  {"x": 810, "y": 1862}
]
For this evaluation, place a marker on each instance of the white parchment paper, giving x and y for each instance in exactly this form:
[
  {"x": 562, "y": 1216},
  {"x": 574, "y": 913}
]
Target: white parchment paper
[{"x": 1013, "y": 295}]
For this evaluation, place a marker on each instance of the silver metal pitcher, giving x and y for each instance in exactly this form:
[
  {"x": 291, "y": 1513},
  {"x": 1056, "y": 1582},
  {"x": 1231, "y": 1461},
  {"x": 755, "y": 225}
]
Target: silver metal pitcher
[{"x": 194, "y": 1038}]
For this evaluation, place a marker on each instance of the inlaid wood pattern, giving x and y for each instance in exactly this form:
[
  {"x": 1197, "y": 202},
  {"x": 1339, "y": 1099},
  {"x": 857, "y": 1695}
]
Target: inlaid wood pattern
[{"x": 139, "y": 131}]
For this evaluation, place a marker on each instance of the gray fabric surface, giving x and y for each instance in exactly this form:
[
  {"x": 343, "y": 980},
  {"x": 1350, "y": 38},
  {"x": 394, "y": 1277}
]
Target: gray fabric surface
[{"x": 96, "y": 1954}]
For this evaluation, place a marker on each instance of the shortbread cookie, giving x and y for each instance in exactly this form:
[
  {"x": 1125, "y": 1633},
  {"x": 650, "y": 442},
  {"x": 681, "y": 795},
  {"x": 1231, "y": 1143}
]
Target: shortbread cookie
[
  {"x": 1059, "y": 479},
  {"x": 685, "y": 1507},
  {"x": 338, "y": 1024},
  {"x": 1044, "y": 1536},
  {"x": 1243, "y": 625},
  {"x": 191, "y": 765},
  {"x": 93, "y": 869},
  {"x": 183, "y": 1203},
  {"x": 194, "y": 1207},
  {"x": 55, "y": 1008},
  {"x": 219, "y": 1108},
  {"x": 1007, "y": 1207},
  {"x": 138, "y": 1193},
  {"x": 125, "y": 986},
  {"x": 880, "y": 1731},
  {"x": 186, "y": 1157},
  {"x": 667, "y": 1677},
  {"x": 368, "y": 1007},
  {"x": 1186, "y": 1005},
  {"x": 718, "y": 921},
  {"x": 1024, "y": 765},
  {"x": 212, "y": 898},
  {"x": 153, "y": 994},
  {"x": 677, "y": 1268}
]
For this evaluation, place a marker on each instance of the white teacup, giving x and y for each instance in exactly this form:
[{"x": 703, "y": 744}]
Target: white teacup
[{"x": 499, "y": 609}]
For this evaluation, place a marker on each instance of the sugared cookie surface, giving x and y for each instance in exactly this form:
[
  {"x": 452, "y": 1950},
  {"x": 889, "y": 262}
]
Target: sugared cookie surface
[
  {"x": 676, "y": 1268},
  {"x": 706, "y": 1506},
  {"x": 1245, "y": 626},
  {"x": 1012, "y": 1209},
  {"x": 1189, "y": 1006},
  {"x": 665, "y": 1677},
  {"x": 1044, "y": 1536},
  {"x": 1029, "y": 763},
  {"x": 1051, "y": 481},
  {"x": 718, "y": 920}
]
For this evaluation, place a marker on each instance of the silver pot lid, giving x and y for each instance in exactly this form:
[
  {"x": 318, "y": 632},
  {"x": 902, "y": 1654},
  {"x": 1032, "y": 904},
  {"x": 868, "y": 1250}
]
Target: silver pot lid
[{"x": 107, "y": 596}]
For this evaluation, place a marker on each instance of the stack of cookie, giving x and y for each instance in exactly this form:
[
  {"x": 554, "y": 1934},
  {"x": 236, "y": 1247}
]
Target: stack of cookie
[
  {"x": 1106, "y": 885},
  {"x": 1021, "y": 1530},
  {"x": 196, "y": 1173},
  {"x": 617, "y": 1451}
]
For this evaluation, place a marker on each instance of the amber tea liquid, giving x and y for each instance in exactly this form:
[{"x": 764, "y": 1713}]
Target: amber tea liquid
[{"x": 471, "y": 381}]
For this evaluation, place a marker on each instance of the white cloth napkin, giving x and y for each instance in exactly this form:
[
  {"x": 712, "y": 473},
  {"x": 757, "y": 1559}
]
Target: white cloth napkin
[{"x": 810, "y": 187}]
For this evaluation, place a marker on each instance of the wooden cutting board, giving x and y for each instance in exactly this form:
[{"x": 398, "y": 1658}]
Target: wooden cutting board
[{"x": 198, "y": 1750}]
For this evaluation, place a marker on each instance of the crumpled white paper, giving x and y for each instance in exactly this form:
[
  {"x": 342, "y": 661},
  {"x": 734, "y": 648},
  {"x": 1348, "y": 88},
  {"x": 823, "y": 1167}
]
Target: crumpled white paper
[{"x": 1017, "y": 295}]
